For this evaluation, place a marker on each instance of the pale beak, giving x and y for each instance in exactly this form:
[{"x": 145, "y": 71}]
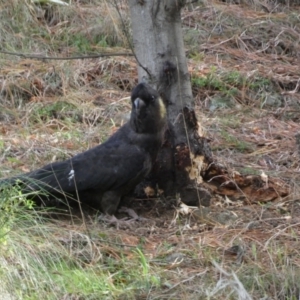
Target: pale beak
[{"x": 138, "y": 104}]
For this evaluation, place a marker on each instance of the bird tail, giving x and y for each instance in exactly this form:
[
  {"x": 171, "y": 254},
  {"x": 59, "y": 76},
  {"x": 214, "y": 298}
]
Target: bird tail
[{"x": 26, "y": 185}]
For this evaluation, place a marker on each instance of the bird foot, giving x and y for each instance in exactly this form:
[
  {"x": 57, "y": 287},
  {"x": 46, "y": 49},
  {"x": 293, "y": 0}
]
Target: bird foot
[
  {"x": 124, "y": 222},
  {"x": 118, "y": 223},
  {"x": 131, "y": 213}
]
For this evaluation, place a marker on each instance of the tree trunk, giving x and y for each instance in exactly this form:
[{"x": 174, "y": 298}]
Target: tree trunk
[{"x": 159, "y": 49}]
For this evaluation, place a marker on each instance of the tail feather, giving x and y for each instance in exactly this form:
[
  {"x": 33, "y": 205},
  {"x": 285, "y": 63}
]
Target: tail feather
[{"x": 28, "y": 183}]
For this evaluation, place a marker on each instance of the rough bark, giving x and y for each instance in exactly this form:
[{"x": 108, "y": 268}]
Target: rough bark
[{"x": 159, "y": 49}]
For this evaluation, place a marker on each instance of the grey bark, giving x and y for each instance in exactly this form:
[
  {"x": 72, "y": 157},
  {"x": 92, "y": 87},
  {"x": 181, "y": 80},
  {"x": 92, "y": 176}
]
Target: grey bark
[{"x": 159, "y": 49}]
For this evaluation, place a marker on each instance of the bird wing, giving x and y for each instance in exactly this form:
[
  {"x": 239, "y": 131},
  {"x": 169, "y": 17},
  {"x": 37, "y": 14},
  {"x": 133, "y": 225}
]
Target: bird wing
[{"x": 109, "y": 166}]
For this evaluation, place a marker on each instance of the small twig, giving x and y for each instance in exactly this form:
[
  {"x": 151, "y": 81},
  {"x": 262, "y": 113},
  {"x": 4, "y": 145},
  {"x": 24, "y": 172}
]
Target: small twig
[
  {"x": 35, "y": 56},
  {"x": 277, "y": 234},
  {"x": 188, "y": 279}
]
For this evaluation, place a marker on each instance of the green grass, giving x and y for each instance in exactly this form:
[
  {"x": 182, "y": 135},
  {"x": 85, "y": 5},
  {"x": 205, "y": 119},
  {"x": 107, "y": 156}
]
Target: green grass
[
  {"x": 39, "y": 261},
  {"x": 30, "y": 29},
  {"x": 234, "y": 142},
  {"x": 61, "y": 110},
  {"x": 229, "y": 82},
  {"x": 52, "y": 259}
]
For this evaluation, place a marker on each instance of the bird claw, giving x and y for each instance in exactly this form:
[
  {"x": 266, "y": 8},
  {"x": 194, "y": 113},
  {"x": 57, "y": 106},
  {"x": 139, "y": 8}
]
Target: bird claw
[
  {"x": 118, "y": 223},
  {"x": 131, "y": 213},
  {"x": 124, "y": 222}
]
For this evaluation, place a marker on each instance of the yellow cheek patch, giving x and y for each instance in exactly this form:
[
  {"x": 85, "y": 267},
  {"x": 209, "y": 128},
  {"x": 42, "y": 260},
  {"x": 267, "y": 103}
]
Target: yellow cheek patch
[{"x": 162, "y": 108}]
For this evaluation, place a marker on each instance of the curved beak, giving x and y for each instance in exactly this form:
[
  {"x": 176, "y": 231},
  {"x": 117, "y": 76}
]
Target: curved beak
[{"x": 138, "y": 104}]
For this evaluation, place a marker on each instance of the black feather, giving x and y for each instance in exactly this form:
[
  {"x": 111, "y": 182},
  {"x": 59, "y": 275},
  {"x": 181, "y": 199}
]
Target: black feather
[{"x": 102, "y": 175}]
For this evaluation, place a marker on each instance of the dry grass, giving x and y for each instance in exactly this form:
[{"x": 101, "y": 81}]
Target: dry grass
[{"x": 243, "y": 61}]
